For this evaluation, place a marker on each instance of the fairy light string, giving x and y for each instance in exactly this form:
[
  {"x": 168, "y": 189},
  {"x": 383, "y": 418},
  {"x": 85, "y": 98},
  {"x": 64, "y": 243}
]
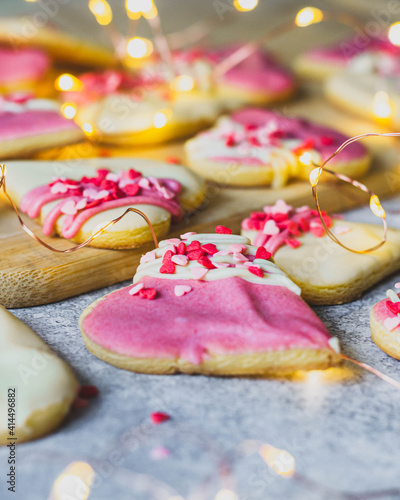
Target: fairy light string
[{"x": 98, "y": 233}]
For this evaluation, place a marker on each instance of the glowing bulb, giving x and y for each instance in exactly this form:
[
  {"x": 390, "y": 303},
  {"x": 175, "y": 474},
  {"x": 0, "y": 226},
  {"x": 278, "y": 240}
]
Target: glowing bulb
[
  {"x": 151, "y": 14},
  {"x": 394, "y": 34},
  {"x": 101, "y": 11},
  {"x": 308, "y": 15},
  {"x": 139, "y": 47},
  {"x": 138, "y": 8},
  {"x": 245, "y": 5},
  {"x": 182, "y": 83},
  {"x": 376, "y": 206},
  {"x": 381, "y": 105},
  {"x": 68, "y": 110},
  {"x": 314, "y": 176},
  {"x": 281, "y": 461},
  {"x": 87, "y": 128},
  {"x": 67, "y": 82},
  {"x": 160, "y": 119},
  {"x": 75, "y": 482},
  {"x": 305, "y": 158},
  {"x": 226, "y": 494}
]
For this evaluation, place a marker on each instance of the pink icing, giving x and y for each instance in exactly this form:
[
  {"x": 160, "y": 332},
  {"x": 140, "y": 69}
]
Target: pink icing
[
  {"x": 81, "y": 200},
  {"x": 31, "y": 123},
  {"x": 265, "y": 128},
  {"x": 382, "y": 312},
  {"x": 21, "y": 65},
  {"x": 256, "y": 318},
  {"x": 280, "y": 224}
]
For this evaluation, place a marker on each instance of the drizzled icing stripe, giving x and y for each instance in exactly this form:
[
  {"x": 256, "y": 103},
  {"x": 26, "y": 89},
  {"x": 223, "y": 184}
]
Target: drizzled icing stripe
[
  {"x": 20, "y": 103},
  {"x": 215, "y": 257},
  {"x": 81, "y": 200}
]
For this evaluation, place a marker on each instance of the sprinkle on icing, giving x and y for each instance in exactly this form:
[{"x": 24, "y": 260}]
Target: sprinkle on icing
[
  {"x": 392, "y": 321},
  {"x": 280, "y": 224},
  {"x": 81, "y": 199}
]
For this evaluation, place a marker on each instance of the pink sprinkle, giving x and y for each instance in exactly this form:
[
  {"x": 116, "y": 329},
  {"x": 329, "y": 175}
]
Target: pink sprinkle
[
  {"x": 237, "y": 248},
  {"x": 144, "y": 183},
  {"x": 241, "y": 266},
  {"x": 281, "y": 207},
  {"x": 170, "y": 247},
  {"x": 180, "y": 290},
  {"x": 173, "y": 241},
  {"x": 112, "y": 177},
  {"x": 159, "y": 453},
  {"x": 239, "y": 257},
  {"x": 59, "y": 187},
  {"x": 198, "y": 273},
  {"x": 148, "y": 257},
  {"x": 293, "y": 243},
  {"x": 270, "y": 228},
  {"x": 397, "y": 285},
  {"x": 180, "y": 260},
  {"x": 81, "y": 204},
  {"x": 69, "y": 208},
  {"x": 222, "y": 252},
  {"x": 341, "y": 229},
  {"x": 391, "y": 323},
  {"x": 256, "y": 271},
  {"x": 158, "y": 417},
  {"x": 187, "y": 235},
  {"x": 136, "y": 289},
  {"x": 223, "y": 230},
  {"x": 220, "y": 265}
]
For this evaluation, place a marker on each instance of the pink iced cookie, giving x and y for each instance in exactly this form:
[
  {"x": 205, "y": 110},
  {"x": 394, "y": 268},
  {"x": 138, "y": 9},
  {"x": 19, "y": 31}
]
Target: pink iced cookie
[
  {"x": 257, "y": 146},
  {"x": 29, "y": 125},
  {"x": 245, "y": 317},
  {"x": 385, "y": 324},
  {"x": 21, "y": 68}
]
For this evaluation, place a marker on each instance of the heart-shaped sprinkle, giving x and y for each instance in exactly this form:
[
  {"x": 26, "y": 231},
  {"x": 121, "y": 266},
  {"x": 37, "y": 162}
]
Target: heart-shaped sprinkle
[
  {"x": 239, "y": 257},
  {"x": 185, "y": 236},
  {"x": 180, "y": 260},
  {"x": 195, "y": 255},
  {"x": 237, "y": 248},
  {"x": 209, "y": 248},
  {"x": 341, "y": 230},
  {"x": 222, "y": 252},
  {"x": 391, "y": 323},
  {"x": 158, "y": 417},
  {"x": 397, "y": 285},
  {"x": 81, "y": 204},
  {"x": 69, "y": 208},
  {"x": 148, "y": 257},
  {"x": 262, "y": 253},
  {"x": 136, "y": 289},
  {"x": 270, "y": 228},
  {"x": 206, "y": 262},
  {"x": 168, "y": 267},
  {"x": 292, "y": 243},
  {"x": 173, "y": 241},
  {"x": 181, "y": 248},
  {"x": 194, "y": 245},
  {"x": 198, "y": 273},
  {"x": 221, "y": 265},
  {"x": 256, "y": 271},
  {"x": 180, "y": 290},
  {"x": 317, "y": 229},
  {"x": 393, "y": 307},
  {"x": 223, "y": 230},
  {"x": 148, "y": 293}
]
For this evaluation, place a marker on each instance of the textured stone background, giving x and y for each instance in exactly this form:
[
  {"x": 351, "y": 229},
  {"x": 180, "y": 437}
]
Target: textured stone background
[{"x": 342, "y": 428}]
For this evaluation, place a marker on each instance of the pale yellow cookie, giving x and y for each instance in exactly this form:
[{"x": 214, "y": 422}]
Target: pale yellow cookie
[
  {"x": 37, "y": 388},
  {"x": 385, "y": 324}
]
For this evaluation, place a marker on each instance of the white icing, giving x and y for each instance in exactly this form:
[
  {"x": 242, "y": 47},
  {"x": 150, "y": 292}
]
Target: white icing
[
  {"x": 335, "y": 344},
  {"x": 7, "y": 106},
  {"x": 40, "y": 377},
  {"x": 273, "y": 276}
]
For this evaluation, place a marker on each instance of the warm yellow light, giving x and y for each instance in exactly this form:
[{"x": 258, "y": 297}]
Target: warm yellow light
[
  {"x": 87, "y": 128},
  {"x": 74, "y": 482},
  {"x": 160, "y": 119},
  {"x": 67, "y": 82},
  {"x": 182, "y": 83},
  {"x": 381, "y": 105},
  {"x": 314, "y": 176},
  {"x": 137, "y": 8},
  {"x": 308, "y": 15},
  {"x": 394, "y": 34},
  {"x": 376, "y": 206},
  {"x": 101, "y": 11},
  {"x": 226, "y": 494},
  {"x": 245, "y": 5},
  {"x": 281, "y": 461},
  {"x": 139, "y": 47},
  {"x": 305, "y": 159},
  {"x": 151, "y": 14},
  {"x": 68, "y": 110}
]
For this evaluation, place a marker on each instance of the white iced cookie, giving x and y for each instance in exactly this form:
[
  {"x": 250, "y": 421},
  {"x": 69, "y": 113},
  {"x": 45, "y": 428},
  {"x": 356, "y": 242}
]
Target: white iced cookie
[
  {"x": 34, "y": 382},
  {"x": 74, "y": 199},
  {"x": 385, "y": 323},
  {"x": 259, "y": 147},
  {"x": 326, "y": 272}
]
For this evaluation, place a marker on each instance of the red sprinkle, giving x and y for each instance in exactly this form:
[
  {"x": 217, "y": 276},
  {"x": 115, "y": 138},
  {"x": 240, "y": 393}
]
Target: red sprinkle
[
  {"x": 394, "y": 307},
  {"x": 293, "y": 243},
  {"x": 181, "y": 248},
  {"x": 210, "y": 248},
  {"x": 134, "y": 174},
  {"x": 304, "y": 224},
  {"x": 167, "y": 268},
  {"x": 158, "y": 417},
  {"x": 230, "y": 141},
  {"x": 168, "y": 256},
  {"x": 206, "y": 262},
  {"x": 326, "y": 140},
  {"x": 262, "y": 253},
  {"x": 194, "y": 245},
  {"x": 88, "y": 391},
  {"x": 317, "y": 230},
  {"x": 173, "y": 159},
  {"x": 223, "y": 230},
  {"x": 132, "y": 189},
  {"x": 256, "y": 271},
  {"x": 196, "y": 254},
  {"x": 148, "y": 293},
  {"x": 80, "y": 403}
]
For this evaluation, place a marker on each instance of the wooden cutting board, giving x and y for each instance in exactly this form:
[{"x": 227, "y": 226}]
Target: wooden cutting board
[{"x": 32, "y": 275}]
